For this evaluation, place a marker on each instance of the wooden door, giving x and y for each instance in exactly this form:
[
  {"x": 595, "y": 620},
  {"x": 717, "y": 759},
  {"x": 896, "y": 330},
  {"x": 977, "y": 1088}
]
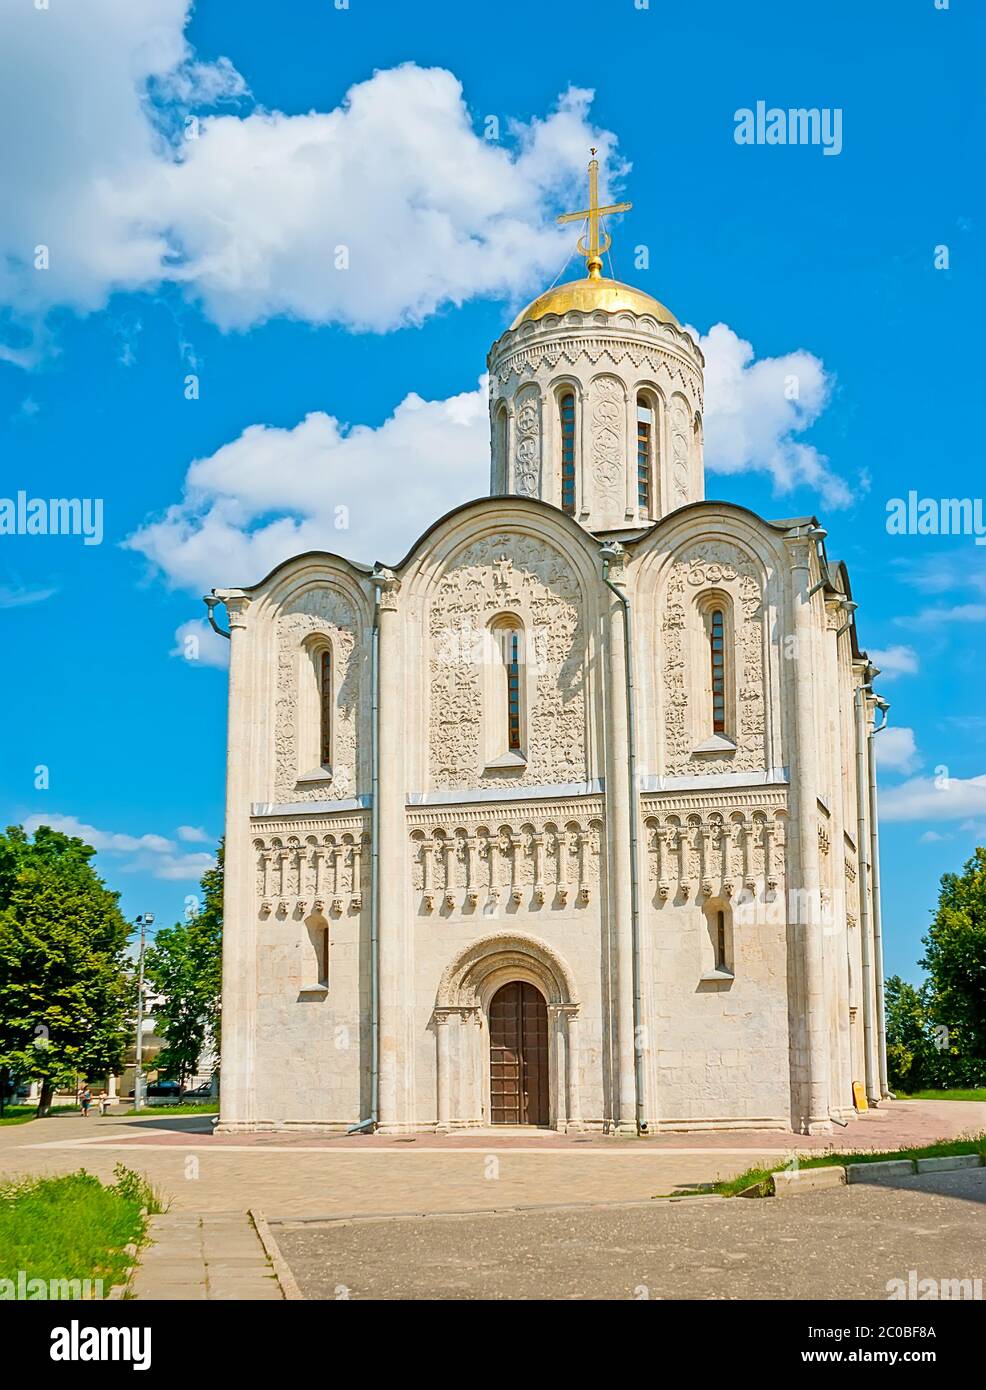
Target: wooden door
[{"x": 519, "y": 1056}]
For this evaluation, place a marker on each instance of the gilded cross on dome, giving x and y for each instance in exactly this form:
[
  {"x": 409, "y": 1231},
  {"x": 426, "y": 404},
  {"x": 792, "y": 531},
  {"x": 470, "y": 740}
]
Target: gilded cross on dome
[{"x": 598, "y": 241}]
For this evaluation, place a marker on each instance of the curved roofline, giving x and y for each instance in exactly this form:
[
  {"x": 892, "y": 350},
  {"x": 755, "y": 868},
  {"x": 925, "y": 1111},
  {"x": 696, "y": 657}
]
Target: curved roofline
[
  {"x": 538, "y": 503},
  {"x": 356, "y": 565},
  {"x": 588, "y": 286},
  {"x": 781, "y": 526},
  {"x": 365, "y": 570}
]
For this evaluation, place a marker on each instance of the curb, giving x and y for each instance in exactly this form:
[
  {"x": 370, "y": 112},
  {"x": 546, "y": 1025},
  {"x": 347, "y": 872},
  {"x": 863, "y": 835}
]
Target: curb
[
  {"x": 799, "y": 1181},
  {"x": 877, "y": 1172},
  {"x": 947, "y": 1165},
  {"x": 286, "y": 1280}
]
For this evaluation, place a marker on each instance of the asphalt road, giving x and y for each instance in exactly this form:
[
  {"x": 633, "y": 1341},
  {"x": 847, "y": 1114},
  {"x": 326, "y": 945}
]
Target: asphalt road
[{"x": 846, "y": 1243}]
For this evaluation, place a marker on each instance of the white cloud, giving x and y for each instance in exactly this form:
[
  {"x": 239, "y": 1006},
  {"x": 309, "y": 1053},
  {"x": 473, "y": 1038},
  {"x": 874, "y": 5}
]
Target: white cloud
[
  {"x": 19, "y": 596},
  {"x": 934, "y": 798},
  {"x": 896, "y": 749},
  {"x": 942, "y": 614},
  {"x": 199, "y": 645},
  {"x": 248, "y": 216},
  {"x": 183, "y": 868},
  {"x": 194, "y": 835},
  {"x": 362, "y": 492},
  {"x": 898, "y": 660},
  {"x": 756, "y": 408},
  {"x": 157, "y": 855}
]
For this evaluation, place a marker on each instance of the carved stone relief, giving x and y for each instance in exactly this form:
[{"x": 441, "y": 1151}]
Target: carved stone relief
[
  {"x": 328, "y": 612},
  {"x": 547, "y": 861},
  {"x": 680, "y": 425},
  {"x": 516, "y": 574},
  {"x": 311, "y": 874},
  {"x": 723, "y": 567},
  {"x": 693, "y": 854},
  {"x": 607, "y": 427},
  {"x": 527, "y": 473}
]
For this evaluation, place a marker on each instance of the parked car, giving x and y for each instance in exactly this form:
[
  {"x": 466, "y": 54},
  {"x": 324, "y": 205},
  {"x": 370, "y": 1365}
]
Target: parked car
[
  {"x": 202, "y": 1092},
  {"x": 165, "y": 1090}
]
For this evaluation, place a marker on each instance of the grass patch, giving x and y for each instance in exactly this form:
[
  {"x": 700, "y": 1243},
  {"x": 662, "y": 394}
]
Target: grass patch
[
  {"x": 209, "y": 1107},
  {"x": 19, "y": 1114},
  {"x": 945, "y": 1148},
  {"x": 942, "y": 1095},
  {"x": 73, "y": 1227}
]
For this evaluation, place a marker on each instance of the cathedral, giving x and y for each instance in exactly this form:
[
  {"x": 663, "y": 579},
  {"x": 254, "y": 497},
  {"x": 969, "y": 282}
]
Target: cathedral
[{"x": 567, "y": 818}]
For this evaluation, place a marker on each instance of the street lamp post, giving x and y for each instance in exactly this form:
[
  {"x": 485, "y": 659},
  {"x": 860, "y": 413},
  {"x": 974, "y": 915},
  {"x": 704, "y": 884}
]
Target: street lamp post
[{"x": 145, "y": 920}]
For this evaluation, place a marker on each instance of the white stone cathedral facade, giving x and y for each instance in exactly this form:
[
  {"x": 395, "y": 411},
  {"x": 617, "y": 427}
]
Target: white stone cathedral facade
[{"x": 567, "y": 818}]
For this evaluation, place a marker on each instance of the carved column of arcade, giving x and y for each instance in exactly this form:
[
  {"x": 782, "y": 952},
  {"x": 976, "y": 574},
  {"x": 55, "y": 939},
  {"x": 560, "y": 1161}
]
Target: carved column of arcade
[
  {"x": 804, "y": 825},
  {"x": 444, "y": 1068},
  {"x": 558, "y": 1068},
  {"x": 395, "y": 962}
]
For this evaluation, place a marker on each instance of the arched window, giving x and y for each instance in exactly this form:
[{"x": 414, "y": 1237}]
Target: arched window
[
  {"x": 511, "y": 657},
  {"x": 645, "y": 454},
  {"x": 567, "y": 409},
  {"x": 717, "y": 646},
  {"x": 500, "y": 447},
  {"x": 323, "y": 658},
  {"x": 505, "y": 715}
]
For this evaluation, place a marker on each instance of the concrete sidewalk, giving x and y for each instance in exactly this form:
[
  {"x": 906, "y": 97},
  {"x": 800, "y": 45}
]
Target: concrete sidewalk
[{"x": 208, "y": 1255}]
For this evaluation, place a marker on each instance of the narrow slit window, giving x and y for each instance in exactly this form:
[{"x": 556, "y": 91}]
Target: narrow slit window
[
  {"x": 717, "y": 640},
  {"x": 512, "y": 655},
  {"x": 325, "y": 705},
  {"x": 645, "y": 450},
  {"x": 567, "y": 406},
  {"x": 720, "y": 941},
  {"x": 322, "y": 955}
]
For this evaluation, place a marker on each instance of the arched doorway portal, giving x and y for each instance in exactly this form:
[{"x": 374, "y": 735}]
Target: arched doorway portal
[
  {"x": 519, "y": 1055},
  {"x": 478, "y": 976}
]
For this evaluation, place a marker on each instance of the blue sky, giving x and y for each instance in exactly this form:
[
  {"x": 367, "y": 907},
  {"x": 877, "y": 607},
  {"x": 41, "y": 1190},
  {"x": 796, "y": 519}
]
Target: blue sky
[{"x": 217, "y": 257}]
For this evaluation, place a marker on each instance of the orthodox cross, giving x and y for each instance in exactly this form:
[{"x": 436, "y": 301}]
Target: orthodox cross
[{"x": 598, "y": 240}]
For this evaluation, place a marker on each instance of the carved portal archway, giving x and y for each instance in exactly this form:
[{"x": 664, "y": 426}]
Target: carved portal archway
[{"x": 461, "y": 1019}]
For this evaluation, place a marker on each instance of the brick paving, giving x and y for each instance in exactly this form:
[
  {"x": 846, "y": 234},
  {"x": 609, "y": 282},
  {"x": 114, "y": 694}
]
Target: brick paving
[{"x": 299, "y": 1174}]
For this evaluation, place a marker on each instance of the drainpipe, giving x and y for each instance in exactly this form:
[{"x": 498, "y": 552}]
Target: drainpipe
[
  {"x": 881, "y": 1020},
  {"x": 370, "y": 1124},
  {"x": 638, "y": 1061},
  {"x": 862, "y": 856},
  {"x": 212, "y": 603}
]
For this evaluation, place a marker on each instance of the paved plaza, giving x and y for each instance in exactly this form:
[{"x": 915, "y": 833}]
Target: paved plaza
[
  {"x": 305, "y": 1183},
  {"x": 851, "y": 1243}
]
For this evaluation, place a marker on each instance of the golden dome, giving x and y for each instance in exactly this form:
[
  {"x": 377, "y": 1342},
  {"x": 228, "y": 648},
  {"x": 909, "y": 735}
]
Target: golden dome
[{"x": 594, "y": 292}]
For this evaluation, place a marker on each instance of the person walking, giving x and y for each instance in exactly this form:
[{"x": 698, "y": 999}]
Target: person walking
[{"x": 85, "y": 1100}]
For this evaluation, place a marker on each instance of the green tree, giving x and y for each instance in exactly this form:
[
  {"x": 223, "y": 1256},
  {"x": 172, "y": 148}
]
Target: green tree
[
  {"x": 955, "y": 958},
  {"x": 908, "y": 1038},
  {"x": 63, "y": 983},
  {"x": 184, "y": 965}
]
